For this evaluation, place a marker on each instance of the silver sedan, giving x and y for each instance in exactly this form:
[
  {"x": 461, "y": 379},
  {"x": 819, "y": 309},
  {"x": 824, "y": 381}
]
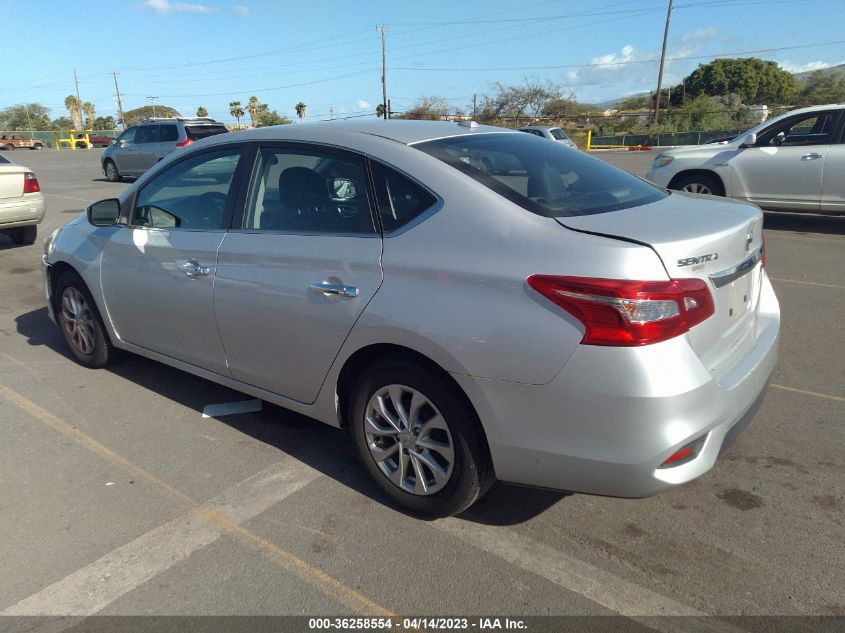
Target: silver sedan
[{"x": 552, "y": 322}]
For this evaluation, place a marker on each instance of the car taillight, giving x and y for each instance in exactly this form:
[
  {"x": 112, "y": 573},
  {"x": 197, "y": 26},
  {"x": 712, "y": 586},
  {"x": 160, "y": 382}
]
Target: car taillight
[
  {"x": 185, "y": 143},
  {"x": 627, "y": 313},
  {"x": 30, "y": 183}
]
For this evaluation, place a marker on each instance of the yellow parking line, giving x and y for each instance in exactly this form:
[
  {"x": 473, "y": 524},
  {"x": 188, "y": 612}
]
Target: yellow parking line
[
  {"x": 329, "y": 585},
  {"x": 809, "y": 393},
  {"x": 808, "y": 283}
]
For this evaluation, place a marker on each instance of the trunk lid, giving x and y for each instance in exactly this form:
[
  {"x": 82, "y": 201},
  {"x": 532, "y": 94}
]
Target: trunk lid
[
  {"x": 716, "y": 240},
  {"x": 11, "y": 181}
]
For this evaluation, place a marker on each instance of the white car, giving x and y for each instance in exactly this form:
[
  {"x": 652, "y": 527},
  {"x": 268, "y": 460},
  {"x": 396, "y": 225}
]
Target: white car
[
  {"x": 21, "y": 202},
  {"x": 792, "y": 162}
]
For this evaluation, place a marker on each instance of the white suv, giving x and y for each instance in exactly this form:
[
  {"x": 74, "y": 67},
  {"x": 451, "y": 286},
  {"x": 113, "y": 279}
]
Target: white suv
[{"x": 792, "y": 162}]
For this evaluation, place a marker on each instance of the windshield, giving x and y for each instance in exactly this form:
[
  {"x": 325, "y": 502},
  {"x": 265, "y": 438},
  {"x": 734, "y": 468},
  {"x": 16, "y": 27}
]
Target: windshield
[{"x": 546, "y": 178}]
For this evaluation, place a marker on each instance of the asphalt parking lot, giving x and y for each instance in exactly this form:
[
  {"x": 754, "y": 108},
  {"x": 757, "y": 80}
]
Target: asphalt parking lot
[{"x": 117, "y": 497}]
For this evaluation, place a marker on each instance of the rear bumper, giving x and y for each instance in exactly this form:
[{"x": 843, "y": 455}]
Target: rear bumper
[
  {"x": 612, "y": 416},
  {"x": 29, "y": 209}
]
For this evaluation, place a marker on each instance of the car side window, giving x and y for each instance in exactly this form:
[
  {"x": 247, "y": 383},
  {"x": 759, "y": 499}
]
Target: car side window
[
  {"x": 147, "y": 134},
  {"x": 192, "y": 194},
  {"x": 128, "y": 136},
  {"x": 309, "y": 191},
  {"x": 811, "y": 129},
  {"x": 167, "y": 133},
  {"x": 400, "y": 200}
]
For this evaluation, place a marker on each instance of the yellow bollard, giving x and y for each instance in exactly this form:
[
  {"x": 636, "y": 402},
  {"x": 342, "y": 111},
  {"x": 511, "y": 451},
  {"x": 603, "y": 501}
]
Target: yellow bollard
[{"x": 589, "y": 139}]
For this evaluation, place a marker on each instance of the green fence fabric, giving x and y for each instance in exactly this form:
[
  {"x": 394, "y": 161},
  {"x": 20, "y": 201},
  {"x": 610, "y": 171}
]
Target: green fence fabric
[{"x": 50, "y": 141}]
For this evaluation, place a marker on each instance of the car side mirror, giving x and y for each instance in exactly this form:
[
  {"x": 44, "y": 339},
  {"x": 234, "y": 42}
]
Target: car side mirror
[
  {"x": 104, "y": 212},
  {"x": 749, "y": 140},
  {"x": 780, "y": 138}
]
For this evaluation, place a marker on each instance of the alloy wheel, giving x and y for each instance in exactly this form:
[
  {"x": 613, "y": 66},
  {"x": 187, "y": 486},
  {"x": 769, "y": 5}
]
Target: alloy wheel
[
  {"x": 78, "y": 321},
  {"x": 409, "y": 440},
  {"x": 697, "y": 187}
]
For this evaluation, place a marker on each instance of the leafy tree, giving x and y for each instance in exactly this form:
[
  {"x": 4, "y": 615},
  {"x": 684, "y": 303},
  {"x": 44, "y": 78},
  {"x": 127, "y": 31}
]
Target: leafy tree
[
  {"x": 561, "y": 108},
  {"x": 255, "y": 109},
  {"x": 380, "y": 111},
  {"x": 823, "y": 87},
  {"x": 754, "y": 80},
  {"x": 300, "y": 110},
  {"x": 25, "y": 116},
  {"x": 104, "y": 123},
  {"x": 62, "y": 123},
  {"x": 526, "y": 99},
  {"x": 201, "y": 111},
  {"x": 427, "y": 108},
  {"x": 267, "y": 118},
  {"x": 90, "y": 114},
  {"x": 74, "y": 107},
  {"x": 138, "y": 115},
  {"x": 236, "y": 111}
]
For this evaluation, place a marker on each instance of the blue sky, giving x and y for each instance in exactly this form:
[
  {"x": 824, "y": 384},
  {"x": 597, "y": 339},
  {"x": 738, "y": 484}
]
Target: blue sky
[{"x": 327, "y": 52}]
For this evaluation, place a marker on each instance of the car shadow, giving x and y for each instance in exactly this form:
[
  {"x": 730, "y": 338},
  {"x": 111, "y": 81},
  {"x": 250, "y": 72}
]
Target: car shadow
[
  {"x": 291, "y": 433},
  {"x": 804, "y": 222}
]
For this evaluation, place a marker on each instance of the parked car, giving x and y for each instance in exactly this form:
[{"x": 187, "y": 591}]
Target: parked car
[
  {"x": 142, "y": 146},
  {"x": 792, "y": 162},
  {"x": 566, "y": 325},
  {"x": 95, "y": 140},
  {"x": 550, "y": 133},
  {"x": 19, "y": 141},
  {"x": 22, "y": 204}
]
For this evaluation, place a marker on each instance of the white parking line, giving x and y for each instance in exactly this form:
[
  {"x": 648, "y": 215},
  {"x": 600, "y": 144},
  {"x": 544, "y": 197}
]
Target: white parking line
[
  {"x": 600, "y": 586},
  {"x": 93, "y": 587},
  {"x": 55, "y": 195},
  {"x": 806, "y": 283},
  {"x": 231, "y": 408}
]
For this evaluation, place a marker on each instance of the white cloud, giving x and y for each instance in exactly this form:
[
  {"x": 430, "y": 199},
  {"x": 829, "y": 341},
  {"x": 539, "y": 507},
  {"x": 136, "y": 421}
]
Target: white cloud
[
  {"x": 803, "y": 68},
  {"x": 165, "y": 7},
  {"x": 240, "y": 9},
  {"x": 630, "y": 66},
  {"x": 363, "y": 105}
]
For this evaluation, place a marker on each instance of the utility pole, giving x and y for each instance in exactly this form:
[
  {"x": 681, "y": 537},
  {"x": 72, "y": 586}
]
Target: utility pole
[
  {"x": 662, "y": 61},
  {"x": 331, "y": 113},
  {"x": 119, "y": 102},
  {"x": 473, "y": 107},
  {"x": 382, "y": 29},
  {"x": 78, "y": 100},
  {"x": 152, "y": 103}
]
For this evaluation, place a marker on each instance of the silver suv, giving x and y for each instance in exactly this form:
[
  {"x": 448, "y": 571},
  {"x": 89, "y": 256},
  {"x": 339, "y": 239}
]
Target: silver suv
[{"x": 142, "y": 146}]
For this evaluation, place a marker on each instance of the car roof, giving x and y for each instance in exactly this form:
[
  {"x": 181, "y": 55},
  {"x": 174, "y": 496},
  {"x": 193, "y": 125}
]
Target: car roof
[
  {"x": 540, "y": 127},
  {"x": 401, "y": 131}
]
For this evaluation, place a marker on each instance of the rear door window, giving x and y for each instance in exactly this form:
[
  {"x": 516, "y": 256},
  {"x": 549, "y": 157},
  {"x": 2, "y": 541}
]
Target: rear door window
[
  {"x": 147, "y": 134},
  {"x": 545, "y": 178},
  {"x": 400, "y": 200},
  {"x": 167, "y": 133},
  {"x": 196, "y": 132}
]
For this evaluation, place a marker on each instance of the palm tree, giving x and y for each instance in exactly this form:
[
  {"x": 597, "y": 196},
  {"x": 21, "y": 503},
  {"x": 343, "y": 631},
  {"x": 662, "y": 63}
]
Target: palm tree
[
  {"x": 236, "y": 111},
  {"x": 300, "y": 110},
  {"x": 255, "y": 109},
  {"x": 73, "y": 107},
  {"x": 380, "y": 111},
  {"x": 201, "y": 111},
  {"x": 90, "y": 114}
]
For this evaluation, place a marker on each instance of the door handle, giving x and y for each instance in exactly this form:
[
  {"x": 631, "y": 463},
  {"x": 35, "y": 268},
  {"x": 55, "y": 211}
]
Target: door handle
[
  {"x": 192, "y": 269},
  {"x": 326, "y": 288},
  {"x": 811, "y": 156}
]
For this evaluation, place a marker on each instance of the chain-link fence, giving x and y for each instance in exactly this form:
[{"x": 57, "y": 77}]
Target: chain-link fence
[
  {"x": 669, "y": 138},
  {"x": 48, "y": 138}
]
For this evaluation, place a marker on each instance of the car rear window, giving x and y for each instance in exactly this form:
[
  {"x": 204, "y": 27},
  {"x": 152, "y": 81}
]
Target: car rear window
[
  {"x": 558, "y": 134},
  {"x": 545, "y": 178},
  {"x": 196, "y": 132}
]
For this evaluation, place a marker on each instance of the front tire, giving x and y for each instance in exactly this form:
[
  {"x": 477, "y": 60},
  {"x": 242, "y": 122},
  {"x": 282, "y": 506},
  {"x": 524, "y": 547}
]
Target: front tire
[
  {"x": 418, "y": 438},
  {"x": 81, "y": 324},
  {"x": 37, "y": 146},
  {"x": 9, "y": 147},
  {"x": 699, "y": 183},
  {"x": 110, "y": 169},
  {"x": 24, "y": 235}
]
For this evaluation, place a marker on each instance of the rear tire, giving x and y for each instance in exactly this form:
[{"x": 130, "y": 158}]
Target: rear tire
[
  {"x": 110, "y": 170},
  {"x": 699, "y": 183},
  {"x": 24, "y": 235},
  {"x": 80, "y": 322},
  {"x": 435, "y": 429}
]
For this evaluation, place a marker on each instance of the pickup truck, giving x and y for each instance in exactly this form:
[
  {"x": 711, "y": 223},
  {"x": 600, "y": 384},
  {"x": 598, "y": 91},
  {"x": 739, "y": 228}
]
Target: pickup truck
[
  {"x": 95, "y": 139},
  {"x": 18, "y": 141}
]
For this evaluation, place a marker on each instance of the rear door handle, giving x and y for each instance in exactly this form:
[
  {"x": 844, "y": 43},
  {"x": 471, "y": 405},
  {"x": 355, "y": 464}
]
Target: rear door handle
[
  {"x": 192, "y": 269},
  {"x": 326, "y": 288},
  {"x": 811, "y": 156}
]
